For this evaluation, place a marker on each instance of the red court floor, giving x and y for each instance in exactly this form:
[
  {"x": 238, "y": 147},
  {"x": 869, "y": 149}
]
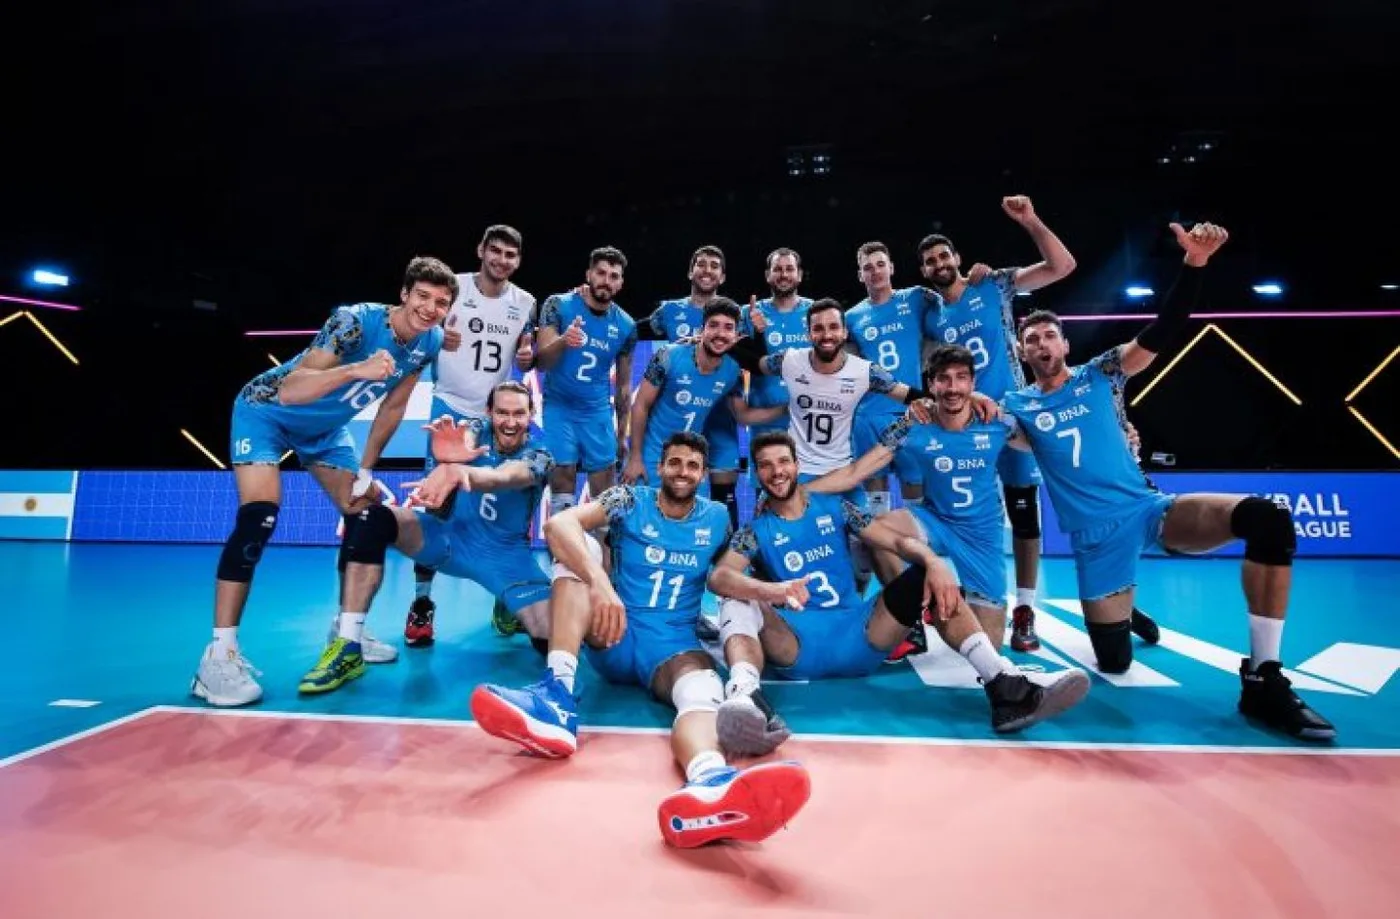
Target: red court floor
[{"x": 180, "y": 814}]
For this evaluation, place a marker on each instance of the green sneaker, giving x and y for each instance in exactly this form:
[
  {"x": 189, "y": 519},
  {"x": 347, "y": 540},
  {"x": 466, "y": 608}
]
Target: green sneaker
[
  {"x": 340, "y": 663},
  {"x": 503, "y": 620}
]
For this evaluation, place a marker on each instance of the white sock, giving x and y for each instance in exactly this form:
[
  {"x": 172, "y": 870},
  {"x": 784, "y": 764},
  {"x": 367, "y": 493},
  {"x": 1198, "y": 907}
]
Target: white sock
[
  {"x": 352, "y": 626},
  {"x": 422, "y": 588},
  {"x": 1025, "y": 596},
  {"x": 558, "y": 503},
  {"x": 978, "y": 650},
  {"x": 743, "y": 679},
  {"x": 564, "y": 665},
  {"x": 703, "y": 764},
  {"x": 879, "y": 502},
  {"x": 226, "y": 641},
  {"x": 1265, "y": 639}
]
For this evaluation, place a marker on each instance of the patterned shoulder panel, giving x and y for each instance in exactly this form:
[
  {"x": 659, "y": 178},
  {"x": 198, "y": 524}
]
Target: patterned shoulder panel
[
  {"x": 656, "y": 367},
  {"x": 539, "y": 461},
  {"x": 618, "y": 501},
  {"x": 1005, "y": 281},
  {"x": 342, "y": 333},
  {"x": 880, "y": 379},
  {"x": 1110, "y": 365},
  {"x": 744, "y": 541},
  {"x": 549, "y": 313},
  {"x": 265, "y": 386},
  {"x": 855, "y": 518}
]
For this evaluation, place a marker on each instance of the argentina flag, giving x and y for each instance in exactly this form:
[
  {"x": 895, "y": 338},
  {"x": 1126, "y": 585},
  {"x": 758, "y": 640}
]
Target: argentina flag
[{"x": 37, "y": 504}]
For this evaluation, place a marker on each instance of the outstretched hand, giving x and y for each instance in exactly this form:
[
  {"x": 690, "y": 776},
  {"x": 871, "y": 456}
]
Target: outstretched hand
[{"x": 453, "y": 441}]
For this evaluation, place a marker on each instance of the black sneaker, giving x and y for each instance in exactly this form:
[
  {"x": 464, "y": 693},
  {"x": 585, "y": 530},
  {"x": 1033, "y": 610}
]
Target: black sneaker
[
  {"x": 747, "y": 724},
  {"x": 707, "y": 629},
  {"x": 418, "y": 629},
  {"x": 1267, "y": 695},
  {"x": 1145, "y": 627},
  {"x": 1018, "y": 701}
]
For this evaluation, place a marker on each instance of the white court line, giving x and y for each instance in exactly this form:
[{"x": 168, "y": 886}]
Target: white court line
[
  {"x": 65, "y": 741},
  {"x": 818, "y": 738}
]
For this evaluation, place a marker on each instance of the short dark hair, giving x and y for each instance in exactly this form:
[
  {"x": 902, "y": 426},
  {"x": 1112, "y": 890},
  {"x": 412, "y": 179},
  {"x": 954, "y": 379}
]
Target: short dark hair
[
  {"x": 871, "y": 248},
  {"x": 771, "y": 439},
  {"x": 945, "y": 356},
  {"x": 504, "y": 234},
  {"x": 609, "y": 254},
  {"x": 691, "y": 441},
  {"x": 822, "y": 305},
  {"x": 514, "y": 386},
  {"x": 779, "y": 253},
  {"x": 935, "y": 239},
  {"x": 1036, "y": 317},
  {"x": 430, "y": 270},
  {"x": 720, "y": 306},
  {"x": 713, "y": 251}
]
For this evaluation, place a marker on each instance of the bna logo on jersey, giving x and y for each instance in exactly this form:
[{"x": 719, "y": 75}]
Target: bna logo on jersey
[
  {"x": 950, "y": 335},
  {"x": 793, "y": 561},
  {"x": 682, "y": 330},
  {"x": 475, "y": 324},
  {"x": 804, "y": 401},
  {"x": 943, "y": 464},
  {"x": 775, "y": 338},
  {"x": 871, "y": 333},
  {"x": 1045, "y": 421},
  {"x": 683, "y": 397},
  {"x": 655, "y": 554}
]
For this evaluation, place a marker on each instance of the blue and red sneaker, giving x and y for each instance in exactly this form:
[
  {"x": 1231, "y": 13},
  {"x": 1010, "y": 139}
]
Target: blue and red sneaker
[{"x": 542, "y": 717}]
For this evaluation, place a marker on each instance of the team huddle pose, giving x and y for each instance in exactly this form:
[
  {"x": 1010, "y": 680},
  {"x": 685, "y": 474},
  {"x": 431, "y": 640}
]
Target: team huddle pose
[{"x": 924, "y": 381}]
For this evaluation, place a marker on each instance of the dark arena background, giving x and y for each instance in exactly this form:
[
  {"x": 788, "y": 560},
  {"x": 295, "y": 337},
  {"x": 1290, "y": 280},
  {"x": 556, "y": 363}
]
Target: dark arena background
[{"x": 191, "y": 189}]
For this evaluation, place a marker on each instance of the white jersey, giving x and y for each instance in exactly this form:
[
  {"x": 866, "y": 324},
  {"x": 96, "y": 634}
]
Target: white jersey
[
  {"x": 491, "y": 329},
  {"x": 822, "y": 405}
]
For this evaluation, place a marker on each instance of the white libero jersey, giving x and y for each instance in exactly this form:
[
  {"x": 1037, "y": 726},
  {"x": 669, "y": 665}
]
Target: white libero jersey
[
  {"x": 491, "y": 328},
  {"x": 821, "y": 406}
]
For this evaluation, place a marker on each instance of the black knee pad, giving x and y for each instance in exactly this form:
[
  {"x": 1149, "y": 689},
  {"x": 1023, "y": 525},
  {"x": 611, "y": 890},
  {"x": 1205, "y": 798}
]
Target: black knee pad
[
  {"x": 422, "y": 573},
  {"x": 252, "y": 528},
  {"x": 1113, "y": 645},
  {"x": 1267, "y": 531},
  {"x": 904, "y": 596},
  {"x": 1023, "y": 511},
  {"x": 369, "y": 534},
  {"x": 541, "y": 645}
]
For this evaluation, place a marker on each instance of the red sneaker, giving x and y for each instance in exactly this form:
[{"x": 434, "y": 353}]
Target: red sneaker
[{"x": 418, "y": 630}]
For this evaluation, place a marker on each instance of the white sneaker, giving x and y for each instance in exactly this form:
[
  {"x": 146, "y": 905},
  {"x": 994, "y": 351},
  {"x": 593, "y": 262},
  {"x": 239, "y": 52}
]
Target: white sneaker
[
  {"x": 372, "y": 649},
  {"x": 226, "y": 680}
]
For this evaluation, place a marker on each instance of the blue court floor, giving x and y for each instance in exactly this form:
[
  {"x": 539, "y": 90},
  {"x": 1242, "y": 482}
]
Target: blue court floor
[{"x": 100, "y": 631}]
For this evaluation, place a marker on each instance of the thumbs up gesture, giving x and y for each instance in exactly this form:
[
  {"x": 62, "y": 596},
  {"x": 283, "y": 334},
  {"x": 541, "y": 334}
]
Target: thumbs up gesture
[
  {"x": 1200, "y": 242},
  {"x": 525, "y": 351},
  {"x": 574, "y": 336}
]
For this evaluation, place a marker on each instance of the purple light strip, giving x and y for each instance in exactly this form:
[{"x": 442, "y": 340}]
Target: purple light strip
[
  {"x": 1337, "y": 314},
  {"x": 274, "y": 333},
  {"x": 44, "y": 303}
]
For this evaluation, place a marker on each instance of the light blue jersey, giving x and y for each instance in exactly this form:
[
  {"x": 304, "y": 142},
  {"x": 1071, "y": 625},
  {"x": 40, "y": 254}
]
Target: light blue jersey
[
  {"x": 981, "y": 321},
  {"x": 1077, "y": 435},
  {"x": 892, "y": 335},
  {"x": 660, "y": 566},
  {"x": 960, "y": 471},
  {"x": 686, "y": 398},
  {"x": 503, "y": 517},
  {"x": 814, "y": 545},
  {"x": 352, "y": 333},
  {"x": 785, "y": 330},
  {"x": 673, "y": 319},
  {"x": 831, "y": 630},
  {"x": 582, "y": 376}
]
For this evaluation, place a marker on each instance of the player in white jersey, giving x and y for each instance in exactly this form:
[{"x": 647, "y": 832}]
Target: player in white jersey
[
  {"x": 825, "y": 384},
  {"x": 489, "y": 329}
]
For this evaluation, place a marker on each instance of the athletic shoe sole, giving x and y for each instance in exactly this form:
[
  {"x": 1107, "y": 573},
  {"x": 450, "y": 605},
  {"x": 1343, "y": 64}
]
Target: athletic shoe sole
[
  {"x": 743, "y": 729},
  {"x": 1068, "y": 689},
  {"x": 758, "y": 803}
]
